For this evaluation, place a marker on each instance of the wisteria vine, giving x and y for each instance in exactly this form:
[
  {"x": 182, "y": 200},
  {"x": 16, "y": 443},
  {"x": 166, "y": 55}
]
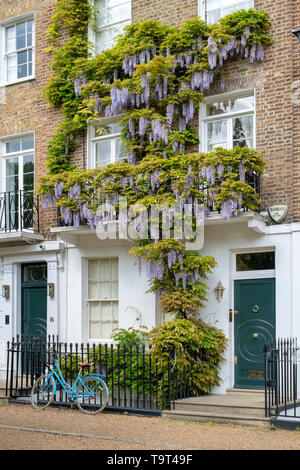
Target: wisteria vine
[{"x": 153, "y": 82}]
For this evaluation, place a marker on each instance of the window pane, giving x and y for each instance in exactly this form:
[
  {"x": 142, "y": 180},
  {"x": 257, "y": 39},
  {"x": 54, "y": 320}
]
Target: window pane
[
  {"x": 93, "y": 270},
  {"x": 21, "y": 42},
  {"x": 94, "y": 320},
  {"x": 10, "y": 45},
  {"x": 242, "y": 129},
  {"x": 103, "y": 153},
  {"x": 255, "y": 261},
  {"x": 217, "y": 135},
  {"x": 30, "y": 26},
  {"x": 108, "y": 129},
  {"x": 28, "y": 182},
  {"x": 22, "y": 71},
  {"x": 11, "y": 61},
  {"x": 12, "y": 166},
  {"x": 29, "y": 40},
  {"x": 119, "y": 13},
  {"x": 13, "y": 146},
  {"x": 227, "y": 106},
  {"x": 27, "y": 143},
  {"x": 219, "y": 8},
  {"x": 22, "y": 58},
  {"x": 120, "y": 151},
  {"x": 20, "y": 28},
  {"x": 11, "y": 32}
]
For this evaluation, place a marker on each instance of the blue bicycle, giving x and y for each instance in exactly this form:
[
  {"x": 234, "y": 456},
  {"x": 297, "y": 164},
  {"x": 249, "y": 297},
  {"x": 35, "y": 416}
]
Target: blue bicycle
[{"x": 89, "y": 391}]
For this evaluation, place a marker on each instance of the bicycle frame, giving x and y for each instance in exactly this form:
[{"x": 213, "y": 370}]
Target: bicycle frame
[{"x": 71, "y": 391}]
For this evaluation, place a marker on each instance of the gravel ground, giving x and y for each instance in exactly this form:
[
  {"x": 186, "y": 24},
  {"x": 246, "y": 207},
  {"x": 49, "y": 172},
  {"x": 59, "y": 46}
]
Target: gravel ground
[{"x": 72, "y": 430}]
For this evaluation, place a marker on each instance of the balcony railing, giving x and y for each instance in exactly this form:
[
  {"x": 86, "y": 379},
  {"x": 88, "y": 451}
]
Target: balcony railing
[{"x": 19, "y": 211}]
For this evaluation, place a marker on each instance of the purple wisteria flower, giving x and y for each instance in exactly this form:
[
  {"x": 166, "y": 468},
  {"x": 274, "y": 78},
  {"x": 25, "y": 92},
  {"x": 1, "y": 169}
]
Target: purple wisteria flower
[
  {"x": 49, "y": 200},
  {"x": 242, "y": 171},
  {"x": 227, "y": 209},
  {"x": 143, "y": 126},
  {"x": 58, "y": 189},
  {"x": 212, "y": 53}
]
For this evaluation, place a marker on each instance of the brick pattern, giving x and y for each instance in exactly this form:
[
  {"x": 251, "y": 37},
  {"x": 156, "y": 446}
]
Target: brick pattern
[
  {"x": 24, "y": 108},
  {"x": 276, "y": 82}
]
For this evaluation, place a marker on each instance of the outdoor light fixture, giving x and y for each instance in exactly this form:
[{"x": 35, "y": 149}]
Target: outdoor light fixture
[
  {"x": 50, "y": 289},
  {"x": 219, "y": 291},
  {"x": 5, "y": 292},
  {"x": 297, "y": 33}
]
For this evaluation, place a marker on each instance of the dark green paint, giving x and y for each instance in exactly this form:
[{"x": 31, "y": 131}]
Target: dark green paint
[
  {"x": 34, "y": 308},
  {"x": 248, "y": 350}
]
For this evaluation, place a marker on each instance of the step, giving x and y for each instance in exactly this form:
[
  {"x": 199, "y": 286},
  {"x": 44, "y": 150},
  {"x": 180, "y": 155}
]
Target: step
[
  {"x": 244, "y": 391},
  {"x": 218, "y": 418},
  {"x": 224, "y": 408}
]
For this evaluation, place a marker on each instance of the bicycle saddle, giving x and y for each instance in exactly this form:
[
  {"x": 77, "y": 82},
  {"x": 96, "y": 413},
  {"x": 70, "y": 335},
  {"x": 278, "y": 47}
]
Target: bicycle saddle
[{"x": 84, "y": 364}]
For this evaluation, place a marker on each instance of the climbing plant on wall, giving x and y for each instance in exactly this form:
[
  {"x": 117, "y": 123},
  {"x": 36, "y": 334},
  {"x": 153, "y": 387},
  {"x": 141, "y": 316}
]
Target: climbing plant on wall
[{"x": 153, "y": 82}]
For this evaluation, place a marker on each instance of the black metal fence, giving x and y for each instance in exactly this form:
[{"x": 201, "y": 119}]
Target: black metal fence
[
  {"x": 282, "y": 389},
  {"x": 19, "y": 210},
  {"x": 136, "y": 381}
]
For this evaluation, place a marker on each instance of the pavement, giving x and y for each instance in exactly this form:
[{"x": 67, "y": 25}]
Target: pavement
[{"x": 25, "y": 428}]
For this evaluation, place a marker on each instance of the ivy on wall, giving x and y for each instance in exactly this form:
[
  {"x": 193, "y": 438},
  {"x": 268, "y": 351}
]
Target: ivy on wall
[{"x": 154, "y": 79}]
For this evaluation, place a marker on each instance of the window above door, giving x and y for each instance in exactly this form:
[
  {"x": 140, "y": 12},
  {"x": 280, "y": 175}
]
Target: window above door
[{"x": 212, "y": 10}]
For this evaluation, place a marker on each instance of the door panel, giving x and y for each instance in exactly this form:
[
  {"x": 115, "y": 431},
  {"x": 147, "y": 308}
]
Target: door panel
[
  {"x": 254, "y": 326},
  {"x": 34, "y": 318},
  {"x": 34, "y": 300}
]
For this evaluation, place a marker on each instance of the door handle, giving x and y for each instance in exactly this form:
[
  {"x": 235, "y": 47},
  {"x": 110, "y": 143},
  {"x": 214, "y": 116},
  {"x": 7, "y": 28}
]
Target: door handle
[{"x": 255, "y": 335}]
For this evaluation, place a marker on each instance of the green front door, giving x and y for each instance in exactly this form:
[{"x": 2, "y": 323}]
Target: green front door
[
  {"x": 254, "y": 325},
  {"x": 34, "y": 301}
]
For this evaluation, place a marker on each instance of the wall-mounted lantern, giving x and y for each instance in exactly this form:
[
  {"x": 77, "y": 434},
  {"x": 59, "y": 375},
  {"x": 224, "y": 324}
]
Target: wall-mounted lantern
[
  {"x": 297, "y": 33},
  {"x": 218, "y": 290},
  {"x": 50, "y": 289},
  {"x": 5, "y": 292}
]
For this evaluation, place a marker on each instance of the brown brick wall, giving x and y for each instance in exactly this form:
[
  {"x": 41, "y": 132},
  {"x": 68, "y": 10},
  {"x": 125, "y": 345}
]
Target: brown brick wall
[{"x": 25, "y": 108}]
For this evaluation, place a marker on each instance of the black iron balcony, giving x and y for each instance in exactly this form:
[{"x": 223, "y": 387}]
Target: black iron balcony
[{"x": 19, "y": 211}]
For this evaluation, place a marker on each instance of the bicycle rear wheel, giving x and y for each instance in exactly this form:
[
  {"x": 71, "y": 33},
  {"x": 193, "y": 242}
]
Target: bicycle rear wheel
[
  {"x": 42, "y": 392},
  {"x": 94, "y": 395}
]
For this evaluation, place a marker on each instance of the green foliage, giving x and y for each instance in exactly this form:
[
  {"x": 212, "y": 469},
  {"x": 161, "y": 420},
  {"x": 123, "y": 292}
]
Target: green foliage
[
  {"x": 130, "y": 337},
  {"x": 193, "y": 346}
]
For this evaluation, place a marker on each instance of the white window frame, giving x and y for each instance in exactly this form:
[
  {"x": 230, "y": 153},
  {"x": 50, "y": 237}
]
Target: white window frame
[
  {"x": 3, "y": 61},
  {"x": 255, "y": 274},
  {"x": 20, "y": 154},
  {"x": 92, "y": 33},
  {"x": 88, "y": 301},
  {"x": 93, "y": 139},
  {"x": 202, "y": 8},
  {"x": 204, "y": 120}
]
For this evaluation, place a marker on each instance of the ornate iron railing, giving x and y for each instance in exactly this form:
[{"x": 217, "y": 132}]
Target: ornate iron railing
[
  {"x": 282, "y": 390},
  {"x": 19, "y": 210},
  {"x": 136, "y": 380}
]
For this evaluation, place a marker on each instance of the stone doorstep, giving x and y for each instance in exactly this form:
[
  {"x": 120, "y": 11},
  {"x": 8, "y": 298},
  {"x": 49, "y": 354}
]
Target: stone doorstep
[
  {"x": 216, "y": 418},
  {"x": 235, "y": 407}
]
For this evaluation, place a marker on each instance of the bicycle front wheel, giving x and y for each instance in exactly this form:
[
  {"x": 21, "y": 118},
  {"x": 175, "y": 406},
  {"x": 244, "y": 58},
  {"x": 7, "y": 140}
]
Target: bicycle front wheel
[
  {"x": 42, "y": 392},
  {"x": 92, "y": 395}
]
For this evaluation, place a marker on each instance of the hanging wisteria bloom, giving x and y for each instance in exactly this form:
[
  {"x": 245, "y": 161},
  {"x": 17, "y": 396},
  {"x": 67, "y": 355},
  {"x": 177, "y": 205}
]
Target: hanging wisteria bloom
[{"x": 242, "y": 171}]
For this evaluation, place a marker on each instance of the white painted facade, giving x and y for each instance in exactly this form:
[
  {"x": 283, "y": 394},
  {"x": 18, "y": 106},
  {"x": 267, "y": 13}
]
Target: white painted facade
[{"x": 66, "y": 260}]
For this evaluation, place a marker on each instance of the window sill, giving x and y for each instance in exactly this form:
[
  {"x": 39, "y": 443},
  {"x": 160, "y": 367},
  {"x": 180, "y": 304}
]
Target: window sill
[{"x": 22, "y": 80}]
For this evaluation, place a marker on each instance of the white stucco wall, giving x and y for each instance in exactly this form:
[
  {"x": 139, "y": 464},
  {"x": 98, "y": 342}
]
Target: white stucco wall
[{"x": 67, "y": 269}]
